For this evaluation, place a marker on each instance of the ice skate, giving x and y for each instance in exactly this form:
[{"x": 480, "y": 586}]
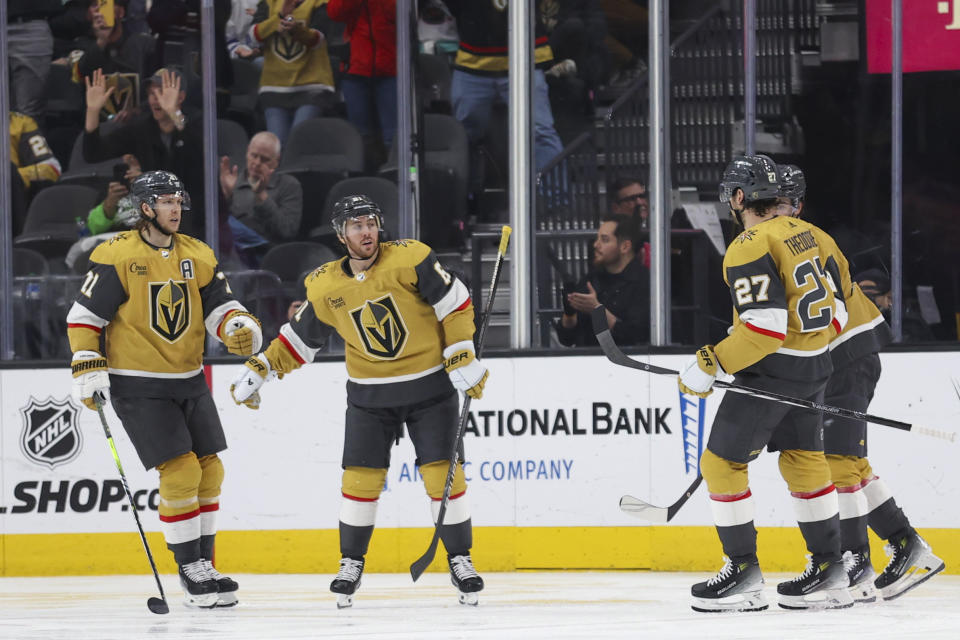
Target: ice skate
[
  {"x": 860, "y": 576},
  {"x": 823, "y": 585},
  {"x": 199, "y": 588},
  {"x": 911, "y": 563},
  {"x": 736, "y": 587},
  {"x": 465, "y": 578},
  {"x": 347, "y": 581},
  {"x": 228, "y": 587}
]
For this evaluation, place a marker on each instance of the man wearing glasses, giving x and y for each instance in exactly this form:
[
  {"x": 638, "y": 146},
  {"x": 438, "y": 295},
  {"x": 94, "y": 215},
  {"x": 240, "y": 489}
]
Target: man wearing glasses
[{"x": 629, "y": 197}]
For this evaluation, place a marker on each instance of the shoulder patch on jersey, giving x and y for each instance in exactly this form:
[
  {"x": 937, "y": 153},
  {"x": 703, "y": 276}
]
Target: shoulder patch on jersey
[
  {"x": 108, "y": 251},
  {"x": 748, "y": 234}
]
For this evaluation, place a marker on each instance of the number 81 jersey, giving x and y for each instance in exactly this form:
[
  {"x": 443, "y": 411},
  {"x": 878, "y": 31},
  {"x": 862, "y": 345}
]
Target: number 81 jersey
[{"x": 787, "y": 279}]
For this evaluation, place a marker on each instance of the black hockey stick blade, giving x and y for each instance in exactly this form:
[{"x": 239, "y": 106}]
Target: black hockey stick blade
[
  {"x": 616, "y": 356},
  {"x": 658, "y": 515},
  {"x": 156, "y": 605}
]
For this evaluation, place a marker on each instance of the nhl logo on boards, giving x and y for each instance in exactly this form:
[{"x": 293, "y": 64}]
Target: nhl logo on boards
[{"x": 51, "y": 435}]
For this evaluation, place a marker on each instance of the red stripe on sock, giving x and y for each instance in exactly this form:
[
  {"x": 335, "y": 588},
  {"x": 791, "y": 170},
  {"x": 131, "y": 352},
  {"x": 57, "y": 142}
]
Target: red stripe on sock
[
  {"x": 451, "y": 497},
  {"x": 719, "y": 497},
  {"x": 181, "y": 517},
  {"x": 204, "y": 508},
  {"x": 356, "y": 499},
  {"x": 813, "y": 494}
]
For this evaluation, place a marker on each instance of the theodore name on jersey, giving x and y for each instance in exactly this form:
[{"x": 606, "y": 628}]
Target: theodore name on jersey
[{"x": 787, "y": 279}]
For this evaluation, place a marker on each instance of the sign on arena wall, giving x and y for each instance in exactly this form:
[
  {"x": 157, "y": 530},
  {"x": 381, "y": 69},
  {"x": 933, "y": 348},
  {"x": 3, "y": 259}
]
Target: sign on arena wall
[
  {"x": 554, "y": 442},
  {"x": 931, "y": 35}
]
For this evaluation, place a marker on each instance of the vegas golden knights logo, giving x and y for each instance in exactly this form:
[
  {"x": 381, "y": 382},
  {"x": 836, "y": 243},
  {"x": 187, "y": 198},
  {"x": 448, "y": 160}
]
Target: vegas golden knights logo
[
  {"x": 169, "y": 309},
  {"x": 380, "y": 327},
  {"x": 286, "y": 48}
]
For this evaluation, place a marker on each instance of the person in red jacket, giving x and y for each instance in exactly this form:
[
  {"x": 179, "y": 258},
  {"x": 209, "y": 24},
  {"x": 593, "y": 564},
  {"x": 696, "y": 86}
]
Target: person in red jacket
[{"x": 369, "y": 85}]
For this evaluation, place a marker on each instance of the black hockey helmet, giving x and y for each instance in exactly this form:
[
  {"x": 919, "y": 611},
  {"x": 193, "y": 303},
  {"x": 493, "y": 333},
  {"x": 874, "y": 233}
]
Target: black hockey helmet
[
  {"x": 147, "y": 186},
  {"x": 793, "y": 184},
  {"x": 755, "y": 175},
  {"x": 351, "y": 208}
]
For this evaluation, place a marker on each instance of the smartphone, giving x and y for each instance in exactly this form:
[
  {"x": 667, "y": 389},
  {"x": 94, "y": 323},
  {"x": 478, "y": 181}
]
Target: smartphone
[
  {"x": 120, "y": 172},
  {"x": 105, "y": 7}
]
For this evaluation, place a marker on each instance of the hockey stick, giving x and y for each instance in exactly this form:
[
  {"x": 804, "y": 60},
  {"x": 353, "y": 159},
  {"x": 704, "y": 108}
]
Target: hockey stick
[
  {"x": 156, "y": 605},
  {"x": 420, "y": 564},
  {"x": 660, "y": 515},
  {"x": 616, "y": 356}
]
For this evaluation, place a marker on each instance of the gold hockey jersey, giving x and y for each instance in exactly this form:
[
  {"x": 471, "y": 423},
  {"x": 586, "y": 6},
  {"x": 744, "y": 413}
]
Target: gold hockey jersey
[
  {"x": 787, "y": 279},
  {"x": 395, "y": 319},
  {"x": 866, "y": 332},
  {"x": 152, "y": 306},
  {"x": 30, "y": 152}
]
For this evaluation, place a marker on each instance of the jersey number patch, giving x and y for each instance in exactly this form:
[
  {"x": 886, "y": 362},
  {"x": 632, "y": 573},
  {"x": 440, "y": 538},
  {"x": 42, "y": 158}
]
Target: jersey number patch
[
  {"x": 380, "y": 327},
  {"x": 814, "y": 282},
  {"x": 169, "y": 309}
]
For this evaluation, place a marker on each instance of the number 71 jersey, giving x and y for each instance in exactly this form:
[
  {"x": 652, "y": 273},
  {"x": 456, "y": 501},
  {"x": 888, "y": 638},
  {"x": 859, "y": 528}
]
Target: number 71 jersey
[{"x": 787, "y": 279}]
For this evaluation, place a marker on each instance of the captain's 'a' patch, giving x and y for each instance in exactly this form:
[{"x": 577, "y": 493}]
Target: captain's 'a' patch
[
  {"x": 169, "y": 309},
  {"x": 380, "y": 327}
]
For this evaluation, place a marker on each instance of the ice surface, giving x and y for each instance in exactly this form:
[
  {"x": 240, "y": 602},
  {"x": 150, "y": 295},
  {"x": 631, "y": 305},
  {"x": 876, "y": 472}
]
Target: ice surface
[{"x": 560, "y": 604}]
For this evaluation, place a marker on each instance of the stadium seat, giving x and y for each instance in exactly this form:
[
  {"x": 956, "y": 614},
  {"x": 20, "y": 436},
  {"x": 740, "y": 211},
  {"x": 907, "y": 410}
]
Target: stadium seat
[
  {"x": 291, "y": 260},
  {"x": 319, "y": 153},
  {"x": 232, "y": 141},
  {"x": 380, "y": 190},
  {"x": 51, "y": 224},
  {"x": 92, "y": 174},
  {"x": 27, "y": 262}
]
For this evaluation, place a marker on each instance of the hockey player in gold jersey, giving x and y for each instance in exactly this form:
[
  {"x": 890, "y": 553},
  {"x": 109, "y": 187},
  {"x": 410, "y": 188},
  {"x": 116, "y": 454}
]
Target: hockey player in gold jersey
[
  {"x": 863, "y": 497},
  {"x": 137, "y": 333},
  {"x": 786, "y": 282},
  {"x": 408, "y": 327}
]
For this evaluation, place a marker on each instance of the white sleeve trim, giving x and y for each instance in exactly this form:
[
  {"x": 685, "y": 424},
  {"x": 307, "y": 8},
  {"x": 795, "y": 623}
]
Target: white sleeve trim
[
  {"x": 215, "y": 317},
  {"x": 452, "y": 300},
  {"x": 773, "y": 319},
  {"x": 306, "y": 353},
  {"x": 79, "y": 314}
]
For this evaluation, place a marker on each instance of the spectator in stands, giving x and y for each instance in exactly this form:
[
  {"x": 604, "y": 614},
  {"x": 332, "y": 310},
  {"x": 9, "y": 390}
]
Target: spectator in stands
[
  {"x": 117, "y": 212},
  {"x": 628, "y": 196},
  {"x": 263, "y": 206},
  {"x": 875, "y": 284},
  {"x": 626, "y": 38},
  {"x": 577, "y": 29},
  {"x": 163, "y": 138},
  {"x": 369, "y": 85},
  {"x": 31, "y": 154},
  {"x": 240, "y": 42},
  {"x": 72, "y": 30},
  {"x": 296, "y": 81},
  {"x": 29, "y": 51},
  {"x": 480, "y": 74},
  {"x": 618, "y": 281},
  {"x": 115, "y": 49}
]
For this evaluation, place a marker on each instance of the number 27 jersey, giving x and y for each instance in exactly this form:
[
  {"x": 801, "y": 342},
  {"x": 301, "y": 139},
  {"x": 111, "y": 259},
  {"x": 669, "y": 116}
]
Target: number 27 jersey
[{"x": 787, "y": 279}]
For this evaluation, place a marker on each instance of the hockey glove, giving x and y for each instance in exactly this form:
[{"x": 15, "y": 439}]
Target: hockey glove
[
  {"x": 245, "y": 388},
  {"x": 241, "y": 333},
  {"x": 89, "y": 377},
  {"x": 697, "y": 377},
  {"x": 466, "y": 372}
]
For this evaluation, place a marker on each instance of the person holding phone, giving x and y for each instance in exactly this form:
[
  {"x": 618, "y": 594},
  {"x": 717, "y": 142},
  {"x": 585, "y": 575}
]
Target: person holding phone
[
  {"x": 117, "y": 210},
  {"x": 618, "y": 281}
]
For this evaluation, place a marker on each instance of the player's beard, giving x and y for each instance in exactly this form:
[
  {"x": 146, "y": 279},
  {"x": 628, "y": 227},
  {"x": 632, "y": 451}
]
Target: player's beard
[{"x": 358, "y": 251}]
